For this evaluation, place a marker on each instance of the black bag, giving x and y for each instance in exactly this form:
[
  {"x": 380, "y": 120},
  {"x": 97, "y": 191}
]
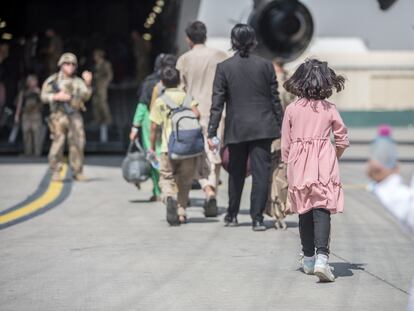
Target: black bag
[{"x": 135, "y": 167}]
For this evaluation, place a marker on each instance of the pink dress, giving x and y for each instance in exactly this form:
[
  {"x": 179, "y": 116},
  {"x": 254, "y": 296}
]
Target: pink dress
[{"x": 312, "y": 166}]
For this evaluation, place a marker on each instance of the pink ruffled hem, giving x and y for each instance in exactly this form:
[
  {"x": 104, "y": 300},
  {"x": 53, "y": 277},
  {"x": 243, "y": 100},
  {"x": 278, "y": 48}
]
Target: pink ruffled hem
[{"x": 317, "y": 195}]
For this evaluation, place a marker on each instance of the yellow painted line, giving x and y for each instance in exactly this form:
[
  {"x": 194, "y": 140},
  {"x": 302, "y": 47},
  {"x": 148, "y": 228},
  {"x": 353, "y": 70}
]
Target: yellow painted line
[{"x": 52, "y": 192}]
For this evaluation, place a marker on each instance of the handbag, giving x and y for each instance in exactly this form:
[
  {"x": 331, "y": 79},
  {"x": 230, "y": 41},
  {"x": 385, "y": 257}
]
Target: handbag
[
  {"x": 225, "y": 159},
  {"x": 135, "y": 166}
]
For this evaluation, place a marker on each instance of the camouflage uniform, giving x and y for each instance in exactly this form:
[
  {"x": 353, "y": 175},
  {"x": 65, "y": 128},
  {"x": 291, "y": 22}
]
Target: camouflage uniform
[
  {"x": 66, "y": 119},
  {"x": 102, "y": 77},
  {"x": 53, "y": 52},
  {"x": 31, "y": 122}
]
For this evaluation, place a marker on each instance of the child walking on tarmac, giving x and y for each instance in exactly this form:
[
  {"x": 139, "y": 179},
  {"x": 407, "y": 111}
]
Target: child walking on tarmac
[
  {"x": 182, "y": 143},
  {"x": 141, "y": 117},
  {"x": 312, "y": 160}
]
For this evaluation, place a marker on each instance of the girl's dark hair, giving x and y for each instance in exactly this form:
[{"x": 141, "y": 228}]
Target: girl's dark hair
[
  {"x": 196, "y": 32},
  {"x": 170, "y": 77},
  {"x": 314, "y": 80},
  {"x": 243, "y": 39},
  {"x": 163, "y": 60}
]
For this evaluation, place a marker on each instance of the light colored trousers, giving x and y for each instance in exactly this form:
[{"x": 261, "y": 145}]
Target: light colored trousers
[{"x": 176, "y": 177}]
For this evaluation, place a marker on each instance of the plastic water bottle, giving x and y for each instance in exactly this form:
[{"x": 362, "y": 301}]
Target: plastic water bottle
[
  {"x": 384, "y": 149},
  {"x": 216, "y": 142},
  {"x": 152, "y": 158}
]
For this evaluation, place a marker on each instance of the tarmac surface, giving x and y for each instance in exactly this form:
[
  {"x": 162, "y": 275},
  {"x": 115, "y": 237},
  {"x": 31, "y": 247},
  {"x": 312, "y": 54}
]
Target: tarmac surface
[{"x": 106, "y": 248}]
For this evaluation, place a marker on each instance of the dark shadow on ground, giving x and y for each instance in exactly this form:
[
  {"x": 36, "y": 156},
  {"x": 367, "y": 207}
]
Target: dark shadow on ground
[
  {"x": 88, "y": 180},
  {"x": 196, "y": 202},
  {"x": 244, "y": 212},
  {"x": 292, "y": 224},
  {"x": 270, "y": 224},
  {"x": 20, "y": 159},
  {"x": 104, "y": 160},
  {"x": 201, "y": 220},
  {"x": 101, "y": 160},
  {"x": 267, "y": 223},
  {"x": 142, "y": 201},
  {"x": 67, "y": 180},
  {"x": 222, "y": 210},
  {"x": 344, "y": 269},
  {"x": 93, "y": 179},
  {"x": 199, "y": 202}
]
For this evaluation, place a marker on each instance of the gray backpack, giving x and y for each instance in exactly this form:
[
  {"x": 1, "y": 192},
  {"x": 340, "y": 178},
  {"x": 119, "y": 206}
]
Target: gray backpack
[{"x": 186, "y": 139}]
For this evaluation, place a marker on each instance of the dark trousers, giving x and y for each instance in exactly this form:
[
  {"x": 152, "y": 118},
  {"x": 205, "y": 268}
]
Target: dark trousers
[
  {"x": 315, "y": 231},
  {"x": 260, "y": 157}
]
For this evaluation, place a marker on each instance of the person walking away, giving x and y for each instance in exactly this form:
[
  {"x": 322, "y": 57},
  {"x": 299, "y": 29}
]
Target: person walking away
[
  {"x": 248, "y": 85},
  {"x": 312, "y": 161},
  {"x": 103, "y": 76},
  {"x": 384, "y": 148},
  {"x": 142, "y": 120},
  {"x": 169, "y": 60},
  {"x": 66, "y": 94},
  {"x": 29, "y": 112},
  {"x": 176, "y": 173},
  {"x": 197, "y": 69},
  {"x": 278, "y": 204}
]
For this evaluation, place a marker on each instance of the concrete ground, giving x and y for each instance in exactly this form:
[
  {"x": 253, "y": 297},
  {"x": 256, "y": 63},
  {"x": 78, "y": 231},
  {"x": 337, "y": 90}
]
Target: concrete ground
[{"x": 106, "y": 248}]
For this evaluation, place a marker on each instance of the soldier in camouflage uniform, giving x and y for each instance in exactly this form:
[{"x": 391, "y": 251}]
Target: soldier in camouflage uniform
[
  {"x": 29, "y": 111},
  {"x": 66, "y": 94},
  {"x": 102, "y": 76}
]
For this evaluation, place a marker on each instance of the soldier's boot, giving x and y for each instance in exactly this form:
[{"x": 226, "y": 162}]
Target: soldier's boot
[
  {"x": 56, "y": 176},
  {"x": 79, "y": 177}
]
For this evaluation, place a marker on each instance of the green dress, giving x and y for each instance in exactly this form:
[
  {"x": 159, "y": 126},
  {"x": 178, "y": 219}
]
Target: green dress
[{"x": 141, "y": 118}]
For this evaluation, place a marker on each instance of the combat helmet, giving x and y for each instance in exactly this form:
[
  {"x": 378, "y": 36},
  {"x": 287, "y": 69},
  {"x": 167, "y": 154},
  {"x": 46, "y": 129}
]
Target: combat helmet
[{"x": 68, "y": 58}]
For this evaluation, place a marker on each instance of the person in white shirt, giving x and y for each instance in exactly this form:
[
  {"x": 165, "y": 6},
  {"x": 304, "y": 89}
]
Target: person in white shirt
[{"x": 396, "y": 197}]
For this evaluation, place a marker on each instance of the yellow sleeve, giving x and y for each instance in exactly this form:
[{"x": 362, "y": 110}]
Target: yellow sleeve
[
  {"x": 194, "y": 103},
  {"x": 155, "y": 113},
  {"x": 154, "y": 97}
]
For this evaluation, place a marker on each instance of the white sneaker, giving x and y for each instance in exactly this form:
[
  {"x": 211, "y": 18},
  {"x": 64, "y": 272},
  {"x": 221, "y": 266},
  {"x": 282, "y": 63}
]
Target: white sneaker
[
  {"x": 322, "y": 270},
  {"x": 307, "y": 264}
]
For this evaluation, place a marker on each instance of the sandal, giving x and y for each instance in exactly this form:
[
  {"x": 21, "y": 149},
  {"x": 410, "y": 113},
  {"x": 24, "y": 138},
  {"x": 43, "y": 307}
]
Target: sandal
[{"x": 182, "y": 219}]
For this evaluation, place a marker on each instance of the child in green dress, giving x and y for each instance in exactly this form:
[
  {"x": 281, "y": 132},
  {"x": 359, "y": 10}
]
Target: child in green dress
[{"x": 141, "y": 117}]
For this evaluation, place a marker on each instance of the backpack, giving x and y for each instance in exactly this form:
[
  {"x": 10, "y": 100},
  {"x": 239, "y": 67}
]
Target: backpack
[
  {"x": 135, "y": 166},
  {"x": 186, "y": 139}
]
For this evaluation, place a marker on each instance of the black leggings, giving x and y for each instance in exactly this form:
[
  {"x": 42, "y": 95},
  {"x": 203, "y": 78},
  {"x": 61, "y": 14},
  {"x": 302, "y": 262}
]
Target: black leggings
[{"x": 315, "y": 231}]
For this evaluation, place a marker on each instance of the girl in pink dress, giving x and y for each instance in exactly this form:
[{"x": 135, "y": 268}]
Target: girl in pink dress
[{"x": 312, "y": 160}]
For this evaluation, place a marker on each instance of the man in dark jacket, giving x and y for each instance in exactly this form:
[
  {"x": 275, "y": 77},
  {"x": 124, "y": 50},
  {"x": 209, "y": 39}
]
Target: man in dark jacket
[{"x": 248, "y": 85}]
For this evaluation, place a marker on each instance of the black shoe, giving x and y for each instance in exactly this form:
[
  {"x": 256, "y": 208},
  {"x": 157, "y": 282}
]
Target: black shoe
[
  {"x": 210, "y": 207},
  {"x": 195, "y": 185},
  {"x": 258, "y": 225},
  {"x": 172, "y": 216},
  {"x": 230, "y": 221}
]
